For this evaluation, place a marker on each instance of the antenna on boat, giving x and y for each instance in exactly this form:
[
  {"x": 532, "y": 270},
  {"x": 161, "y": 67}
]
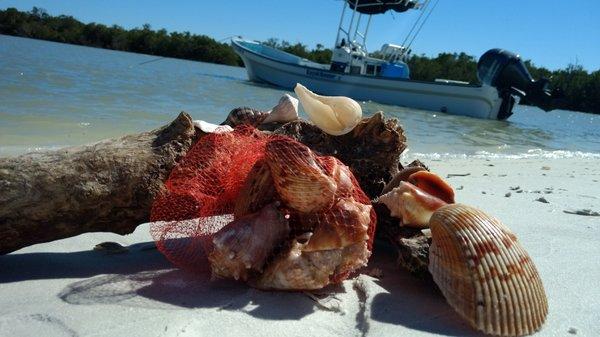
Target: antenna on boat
[
  {"x": 422, "y": 24},
  {"x": 423, "y": 9}
]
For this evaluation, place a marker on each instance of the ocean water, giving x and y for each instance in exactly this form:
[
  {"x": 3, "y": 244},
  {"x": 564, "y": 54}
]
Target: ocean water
[{"x": 54, "y": 95}]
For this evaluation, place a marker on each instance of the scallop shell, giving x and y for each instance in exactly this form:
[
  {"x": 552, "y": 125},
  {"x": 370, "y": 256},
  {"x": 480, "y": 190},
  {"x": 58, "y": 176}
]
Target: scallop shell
[
  {"x": 299, "y": 180},
  {"x": 411, "y": 204},
  {"x": 244, "y": 245},
  {"x": 336, "y": 115},
  {"x": 484, "y": 273}
]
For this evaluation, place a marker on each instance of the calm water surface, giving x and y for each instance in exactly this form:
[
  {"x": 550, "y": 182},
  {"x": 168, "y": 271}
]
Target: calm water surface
[{"x": 53, "y": 95}]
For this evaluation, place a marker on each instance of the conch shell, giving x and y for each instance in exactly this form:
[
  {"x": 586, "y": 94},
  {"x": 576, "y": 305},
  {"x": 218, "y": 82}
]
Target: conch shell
[
  {"x": 335, "y": 115},
  {"x": 285, "y": 111},
  {"x": 484, "y": 273},
  {"x": 411, "y": 204},
  {"x": 432, "y": 183},
  {"x": 401, "y": 176},
  {"x": 243, "y": 245}
]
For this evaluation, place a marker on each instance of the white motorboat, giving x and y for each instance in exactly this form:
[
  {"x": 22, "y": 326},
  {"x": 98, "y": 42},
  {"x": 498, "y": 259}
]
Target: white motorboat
[{"x": 385, "y": 79}]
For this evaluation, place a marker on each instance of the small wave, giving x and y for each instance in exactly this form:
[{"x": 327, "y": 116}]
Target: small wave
[{"x": 529, "y": 154}]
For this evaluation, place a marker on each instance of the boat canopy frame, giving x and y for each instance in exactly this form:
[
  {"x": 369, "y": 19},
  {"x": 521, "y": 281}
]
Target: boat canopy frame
[{"x": 352, "y": 34}]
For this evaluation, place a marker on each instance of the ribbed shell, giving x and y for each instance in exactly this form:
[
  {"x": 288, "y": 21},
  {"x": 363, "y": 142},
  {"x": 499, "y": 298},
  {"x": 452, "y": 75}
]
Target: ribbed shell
[
  {"x": 245, "y": 115},
  {"x": 299, "y": 180},
  {"x": 484, "y": 273}
]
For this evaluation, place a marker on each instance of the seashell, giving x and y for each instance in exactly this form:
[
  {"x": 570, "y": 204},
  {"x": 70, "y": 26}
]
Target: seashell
[
  {"x": 212, "y": 128},
  {"x": 258, "y": 190},
  {"x": 345, "y": 224},
  {"x": 336, "y": 115},
  {"x": 401, "y": 176},
  {"x": 243, "y": 245},
  {"x": 432, "y": 183},
  {"x": 484, "y": 272},
  {"x": 245, "y": 115},
  {"x": 340, "y": 173},
  {"x": 299, "y": 179},
  {"x": 411, "y": 204},
  {"x": 296, "y": 269},
  {"x": 285, "y": 111}
]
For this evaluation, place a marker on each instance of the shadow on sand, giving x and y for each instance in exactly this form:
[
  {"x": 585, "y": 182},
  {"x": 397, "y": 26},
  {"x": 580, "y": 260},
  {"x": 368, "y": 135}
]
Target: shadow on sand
[
  {"x": 414, "y": 303},
  {"x": 144, "y": 278}
]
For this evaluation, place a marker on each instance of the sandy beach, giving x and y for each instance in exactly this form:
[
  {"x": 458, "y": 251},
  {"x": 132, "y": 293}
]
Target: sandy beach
[{"x": 65, "y": 288}]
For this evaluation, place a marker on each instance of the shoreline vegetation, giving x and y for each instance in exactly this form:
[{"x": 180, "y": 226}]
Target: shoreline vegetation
[{"x": 581, "y": 88}]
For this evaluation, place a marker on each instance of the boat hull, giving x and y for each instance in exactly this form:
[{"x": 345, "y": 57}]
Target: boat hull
[{"x": 478, "y": 101}]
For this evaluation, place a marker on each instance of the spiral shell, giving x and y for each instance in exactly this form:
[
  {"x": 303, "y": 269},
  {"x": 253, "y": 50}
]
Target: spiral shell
[
  {"x": 411, "y": 204},
  {"x": 244, "y": 245},
  {"x": 336, "y": 115},
  {"x": 285, "y": 111},
  {"x": 484, "y": 273},
  {"x": 299, "y": 180},
  {"x": 245, "y": 115}
]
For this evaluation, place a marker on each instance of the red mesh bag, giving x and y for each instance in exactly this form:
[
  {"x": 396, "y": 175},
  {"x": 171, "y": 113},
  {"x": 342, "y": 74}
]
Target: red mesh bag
[{"x": 230, "y": 177}]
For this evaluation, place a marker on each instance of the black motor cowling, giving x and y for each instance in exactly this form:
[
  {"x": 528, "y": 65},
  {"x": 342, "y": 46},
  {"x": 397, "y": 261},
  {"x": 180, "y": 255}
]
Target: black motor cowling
[{"x": 506, "y": 72}]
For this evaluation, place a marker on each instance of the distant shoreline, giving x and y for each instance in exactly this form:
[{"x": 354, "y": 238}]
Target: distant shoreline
[{"x": 581, "y": 89}]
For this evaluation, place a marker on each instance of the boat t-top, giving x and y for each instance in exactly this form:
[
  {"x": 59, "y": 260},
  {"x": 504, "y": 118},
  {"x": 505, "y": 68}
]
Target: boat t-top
[{"x": 384, "y": 77}]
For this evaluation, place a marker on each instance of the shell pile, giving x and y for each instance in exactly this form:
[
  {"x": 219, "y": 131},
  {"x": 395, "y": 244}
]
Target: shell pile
[
  {"x": 477, "y": 262},
  {"x": 300, "y": 222}
]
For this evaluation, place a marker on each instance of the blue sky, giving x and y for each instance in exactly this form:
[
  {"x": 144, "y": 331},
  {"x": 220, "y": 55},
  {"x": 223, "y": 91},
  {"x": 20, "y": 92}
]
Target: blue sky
[{"x": 549, "y": 32}]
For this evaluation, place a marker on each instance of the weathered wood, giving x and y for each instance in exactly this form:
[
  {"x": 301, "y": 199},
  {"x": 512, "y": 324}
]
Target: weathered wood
[
  {"x": 106, "y": 186},
  {"x": 109, "y": 186}
]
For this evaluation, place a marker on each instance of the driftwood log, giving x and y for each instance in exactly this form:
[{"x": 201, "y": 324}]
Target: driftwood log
[{"x": 107, "y": 186}]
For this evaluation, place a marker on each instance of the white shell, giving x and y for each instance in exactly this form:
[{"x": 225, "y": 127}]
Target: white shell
[
  {"x": 212, "y": 128},
  {"x": 336, "y": 115},
  {"x": 285, "y": 111}
]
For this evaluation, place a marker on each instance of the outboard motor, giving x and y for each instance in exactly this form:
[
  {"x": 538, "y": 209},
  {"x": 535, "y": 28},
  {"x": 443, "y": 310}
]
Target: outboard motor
[{"x": 506, "y": 72}]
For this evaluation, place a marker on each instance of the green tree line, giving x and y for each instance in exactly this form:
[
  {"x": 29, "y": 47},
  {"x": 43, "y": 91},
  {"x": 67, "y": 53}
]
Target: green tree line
[
  {"x": 38, "y": 24},
  {"x": 581, "y": 88}
]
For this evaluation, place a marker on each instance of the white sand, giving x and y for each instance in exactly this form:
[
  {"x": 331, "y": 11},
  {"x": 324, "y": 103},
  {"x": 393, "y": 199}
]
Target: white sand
[{"x": 64, "y": 288}]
